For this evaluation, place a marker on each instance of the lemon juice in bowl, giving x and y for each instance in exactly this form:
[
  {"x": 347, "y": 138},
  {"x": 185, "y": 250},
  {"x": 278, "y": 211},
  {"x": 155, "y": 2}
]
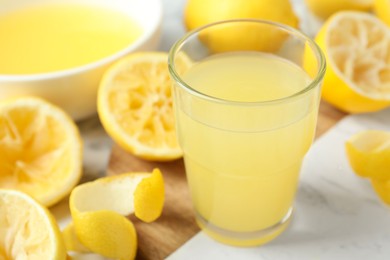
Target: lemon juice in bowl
[
  {"x": 54, "y": 49},
  {"x": 245, "y": 120},
  {"x": 58, "y": 36}
]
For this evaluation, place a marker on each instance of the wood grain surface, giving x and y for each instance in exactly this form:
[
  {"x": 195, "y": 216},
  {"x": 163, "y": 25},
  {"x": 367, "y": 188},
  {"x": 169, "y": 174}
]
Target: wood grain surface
[{"x": 159, "y": 239}]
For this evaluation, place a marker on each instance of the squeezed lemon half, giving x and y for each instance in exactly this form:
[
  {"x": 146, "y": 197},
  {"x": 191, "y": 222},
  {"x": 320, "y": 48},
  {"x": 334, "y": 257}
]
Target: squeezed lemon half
[
  {"x": 135, "y": 106},
  {"x": 357, "y": 47},
  {"x": 40, "y": 147},
  {"x": 27, "y": 229}
]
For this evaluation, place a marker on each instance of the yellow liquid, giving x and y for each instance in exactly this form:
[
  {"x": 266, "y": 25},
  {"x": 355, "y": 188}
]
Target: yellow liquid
[
  {"x": 243, "y": 161},
  {"x": 56, "y": 37}
]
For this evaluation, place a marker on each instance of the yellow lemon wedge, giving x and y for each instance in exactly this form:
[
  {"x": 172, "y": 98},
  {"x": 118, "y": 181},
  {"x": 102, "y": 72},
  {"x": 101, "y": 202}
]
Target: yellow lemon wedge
[
  {"x": 27, "y": 229},
  {"x": 135, "y": 106},
  {"x": 99, "y": 208},
  {"x": 382, "y": 188},
  {"x": 244, "y": 36},
  {"x": 356, "y": 46},
  {"x": 369, "y": 154},
  {"x": 382, "y": 10},
  {"x": 40, "y": 147},
  {"x": 325, "y": 8}
]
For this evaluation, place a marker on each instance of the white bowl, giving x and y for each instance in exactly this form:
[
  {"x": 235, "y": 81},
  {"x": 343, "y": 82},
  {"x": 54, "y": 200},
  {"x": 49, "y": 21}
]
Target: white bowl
[{"x": 75, "y": 89}]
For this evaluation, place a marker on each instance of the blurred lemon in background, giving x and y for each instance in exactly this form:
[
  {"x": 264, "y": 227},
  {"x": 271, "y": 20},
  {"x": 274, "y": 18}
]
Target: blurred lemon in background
[
  {"x": 382, "y": 10},
  {"x": 239, "y": 37},
  {"x": 357, "y": 47},
  {"x": 202, "y": 12},
  {"x": 325, "y": 8}
]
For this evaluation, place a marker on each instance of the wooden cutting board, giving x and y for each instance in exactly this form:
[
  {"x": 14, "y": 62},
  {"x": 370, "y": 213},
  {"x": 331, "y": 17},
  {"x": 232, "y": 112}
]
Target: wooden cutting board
[{"x": 176, "y": 225}]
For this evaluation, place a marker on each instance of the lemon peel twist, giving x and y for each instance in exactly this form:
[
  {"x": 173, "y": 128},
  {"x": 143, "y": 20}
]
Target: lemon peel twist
[
  {"x": 99, "y": 209},
  {"x": 368, "y": 153}
]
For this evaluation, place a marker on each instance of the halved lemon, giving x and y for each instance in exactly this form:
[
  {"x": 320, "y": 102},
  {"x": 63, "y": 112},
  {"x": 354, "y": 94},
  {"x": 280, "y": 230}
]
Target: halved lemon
[
  {"x": 357, "y": 49},
  {"x": 40, "y": 147},
  {"x": 27, "y": 229},
  {"x": 135, "y": 106}
]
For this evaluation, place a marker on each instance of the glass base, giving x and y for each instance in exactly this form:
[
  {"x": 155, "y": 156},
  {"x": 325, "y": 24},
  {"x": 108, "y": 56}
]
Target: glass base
[{"x": 244, "y": 239}]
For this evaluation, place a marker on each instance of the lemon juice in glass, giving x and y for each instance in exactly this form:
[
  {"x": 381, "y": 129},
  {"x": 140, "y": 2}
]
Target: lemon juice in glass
[{"x": 246, "y": 95}]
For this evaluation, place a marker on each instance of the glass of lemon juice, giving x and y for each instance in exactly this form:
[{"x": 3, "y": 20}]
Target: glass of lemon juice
[{"x": 246, "y": 96}]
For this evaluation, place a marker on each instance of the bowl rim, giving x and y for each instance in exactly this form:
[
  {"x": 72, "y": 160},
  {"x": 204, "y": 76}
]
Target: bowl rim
[{"x": 148, "y": 32}]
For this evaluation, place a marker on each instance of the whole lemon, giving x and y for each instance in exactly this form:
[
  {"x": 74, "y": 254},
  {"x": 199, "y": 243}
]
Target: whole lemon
[
  {"x": 325, "y": 8},
  {"x": 382, "y": 10},
  {"x": 201, "y": 12},
  {"x": 240, "y": 36}
]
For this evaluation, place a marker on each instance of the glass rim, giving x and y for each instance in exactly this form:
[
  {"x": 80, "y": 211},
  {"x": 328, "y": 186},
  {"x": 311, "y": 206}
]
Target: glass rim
[{"x": 313, "y": 45}]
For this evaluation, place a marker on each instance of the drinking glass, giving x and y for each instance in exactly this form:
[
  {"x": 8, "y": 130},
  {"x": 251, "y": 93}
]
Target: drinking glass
[{"x": 246, "y": 97}]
